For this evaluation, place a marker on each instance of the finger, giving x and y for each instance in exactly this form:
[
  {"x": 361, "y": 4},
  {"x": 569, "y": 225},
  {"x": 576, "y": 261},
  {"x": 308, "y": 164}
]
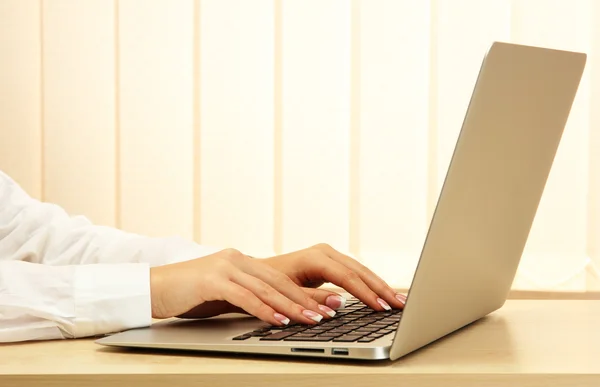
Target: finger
[
  {"x": 372, "y": 280},
  {"x": 284, "y": 285},
  {"x": 338, "y": 274},
  {"x": 280, "y": 303},
  {"x": 326, "y": 297},
  {"x": 248, "y": 301}
]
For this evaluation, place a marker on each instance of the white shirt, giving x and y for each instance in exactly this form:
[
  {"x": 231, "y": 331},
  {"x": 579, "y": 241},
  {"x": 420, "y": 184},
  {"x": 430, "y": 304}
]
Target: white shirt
[{"x": 63, "y": 277}]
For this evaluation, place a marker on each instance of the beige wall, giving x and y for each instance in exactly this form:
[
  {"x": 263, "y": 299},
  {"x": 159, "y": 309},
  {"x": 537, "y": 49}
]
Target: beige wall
[{"x": 273, "y": 125}]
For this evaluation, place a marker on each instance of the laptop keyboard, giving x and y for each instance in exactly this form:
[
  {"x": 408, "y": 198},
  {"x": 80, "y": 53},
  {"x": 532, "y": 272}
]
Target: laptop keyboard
[{"x": 356, "y": 322}]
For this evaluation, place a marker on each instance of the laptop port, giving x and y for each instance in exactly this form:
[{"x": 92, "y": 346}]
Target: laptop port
[
  {"x": 340, "y": 351},
  {"x": 309, "y": 350}
]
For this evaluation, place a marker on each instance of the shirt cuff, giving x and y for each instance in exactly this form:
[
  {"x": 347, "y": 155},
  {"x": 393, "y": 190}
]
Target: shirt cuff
[{"x": 111, "y": 297}]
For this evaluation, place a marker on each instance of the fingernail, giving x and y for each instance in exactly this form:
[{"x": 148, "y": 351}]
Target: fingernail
[
  {"x": 401, "y": 298},
  {"x": 383, "y": 304},
  {"x": 335, "y": 302},
  {"x": 282, "y": 319},
  {"x": 330, "y": 312},
  {"x": 312, "y": 315}
]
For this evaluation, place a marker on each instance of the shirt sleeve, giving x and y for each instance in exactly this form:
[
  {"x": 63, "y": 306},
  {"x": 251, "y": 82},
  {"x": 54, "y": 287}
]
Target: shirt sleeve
[
  {"x": 41, "y": 302},
  {"x": 63, "y": 277}
]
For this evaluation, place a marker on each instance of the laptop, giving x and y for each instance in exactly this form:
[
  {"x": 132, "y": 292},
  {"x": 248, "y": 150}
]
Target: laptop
[{"x": 487, "y": 204}]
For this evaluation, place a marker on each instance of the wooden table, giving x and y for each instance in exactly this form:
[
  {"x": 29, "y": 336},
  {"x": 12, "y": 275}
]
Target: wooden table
[{"x": 526, "y": 343}]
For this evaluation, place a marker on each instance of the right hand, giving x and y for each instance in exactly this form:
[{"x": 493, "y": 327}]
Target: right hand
[{"x": 232, "y": 277}]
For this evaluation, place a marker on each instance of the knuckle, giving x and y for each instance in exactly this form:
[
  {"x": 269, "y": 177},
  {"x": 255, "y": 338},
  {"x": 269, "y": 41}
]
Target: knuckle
[
  {"x": 316, "y": 253},
  {"x": 298, "y": 309},
  {"x": 356, "y": 260},
  {"x": 295, "y": 309},
  {"x": 310, "y": 302},
  {"x": 240, "y": 297},
  {"x": 264, "y": 292},
  {"x": 223, "y": 266},
  {"x": 350, "y": 277},
  {"x": 232, "y": 255},
  {"x": 280, "y": 279},
  {"x": 279, "y": 283},
  {"x": 323, "y": 247},
  {"x": 244, "y": 294}
]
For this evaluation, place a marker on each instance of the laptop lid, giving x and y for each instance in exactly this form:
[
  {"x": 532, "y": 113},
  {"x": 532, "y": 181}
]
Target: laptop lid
[{"x": 494, "y": 183}]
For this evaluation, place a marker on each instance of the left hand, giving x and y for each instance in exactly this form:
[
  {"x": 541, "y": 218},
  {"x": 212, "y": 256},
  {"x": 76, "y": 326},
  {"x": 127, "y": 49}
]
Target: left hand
[{"x": 311, "y": 268}]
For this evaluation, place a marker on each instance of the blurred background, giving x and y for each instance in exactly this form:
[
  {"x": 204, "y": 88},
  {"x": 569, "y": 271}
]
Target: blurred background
[{"x": 272, "y": 125}]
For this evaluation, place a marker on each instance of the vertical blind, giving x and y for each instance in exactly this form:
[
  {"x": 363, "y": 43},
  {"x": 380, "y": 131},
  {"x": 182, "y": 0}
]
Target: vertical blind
[{"x": 272, "y": 125}]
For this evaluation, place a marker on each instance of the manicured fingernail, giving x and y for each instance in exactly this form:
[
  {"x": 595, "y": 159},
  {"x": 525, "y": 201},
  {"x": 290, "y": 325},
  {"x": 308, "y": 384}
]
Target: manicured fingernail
[
  {"x": 383, "y": 304},
  {"x": 282, "y": 319},
  {"x": 330, "y": 312},
  {"x": 312, "y": 315},
  {"x": 335, "y": 302},
  {"x": 401, "y": 298}
]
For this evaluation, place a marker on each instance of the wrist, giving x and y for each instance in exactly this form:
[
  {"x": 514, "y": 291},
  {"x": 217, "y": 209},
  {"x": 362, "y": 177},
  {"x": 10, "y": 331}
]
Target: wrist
[{"x": 156, "y": 281}]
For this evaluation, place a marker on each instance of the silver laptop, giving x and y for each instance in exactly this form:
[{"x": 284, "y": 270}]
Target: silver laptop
[{"x": 504, "y": 153}]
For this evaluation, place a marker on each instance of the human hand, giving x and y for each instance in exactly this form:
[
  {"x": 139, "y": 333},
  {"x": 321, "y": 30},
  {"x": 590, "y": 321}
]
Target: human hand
[
  {"x": 220, "y": 282},
  {"x": 321, "y": 263}
]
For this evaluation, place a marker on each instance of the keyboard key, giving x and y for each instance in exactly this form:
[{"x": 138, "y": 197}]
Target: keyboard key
[
  {"x": 315, "y": 330},
  {"x": 323, "y": 337},
  {"x": 341, "y": 330},
  {"x": 277, "y": 336},
  {"x": 260, "y": 334},
  {"x": 379, "y": 325},
  {"x": 353, "y": 325},
  {"x": 364, "y": 331},
  {"x": 273, "y": 330},
  {"x": 330, "y": 334},
  {"x": 347, "y": 338},
  {"x": 297, "y": 338},
  {"x": 305, "y": 335},
  {"x": 242, "y": 337},
  {"x": 278, "y": 328},
  {"x": 290, "y": 326},
  {"x": 297, "y": 328},
  {"x": 367, "y": 322},
  {"x": 366, "y": 340},
  {"x": 309, "y": 339}
]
